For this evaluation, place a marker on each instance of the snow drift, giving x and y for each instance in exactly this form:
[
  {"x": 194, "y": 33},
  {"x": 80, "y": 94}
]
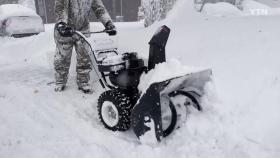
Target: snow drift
[{"x": 248, "y": 8}]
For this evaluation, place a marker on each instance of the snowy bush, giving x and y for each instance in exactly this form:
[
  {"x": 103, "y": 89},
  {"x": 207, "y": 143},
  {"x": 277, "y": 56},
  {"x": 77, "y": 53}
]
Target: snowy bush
[{"x": 155, "y": 10}]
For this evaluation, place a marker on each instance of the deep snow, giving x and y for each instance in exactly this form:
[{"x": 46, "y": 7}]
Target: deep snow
[
  {"x": 8, "y": 10},
  {"x": 249, "y": 8},
  {"x": 241, "y": 106}
]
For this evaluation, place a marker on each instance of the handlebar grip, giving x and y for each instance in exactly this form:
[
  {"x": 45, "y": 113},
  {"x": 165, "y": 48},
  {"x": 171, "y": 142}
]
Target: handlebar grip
[{"x": 111, "y": 32}]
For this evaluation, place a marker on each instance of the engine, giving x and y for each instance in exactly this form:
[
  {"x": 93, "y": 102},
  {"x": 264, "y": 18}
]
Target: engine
[{"x": 123, "y": 70}]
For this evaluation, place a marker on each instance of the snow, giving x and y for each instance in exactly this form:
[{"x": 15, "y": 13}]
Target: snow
[
  {"x": 164, "y": 71},
  {"x": 271, "y": 3},
  {"x": 249, "y": 8},
  {"x": 149, "y": 137},
  {"x": 221, "y": 9},
  {"x": 7, "y": 10},
  {"x": 24, "y": 25},
  {"x": 18, "y": 23},
  {"x": 241, "y": 106},
  {"x": 113, "y": 60}
]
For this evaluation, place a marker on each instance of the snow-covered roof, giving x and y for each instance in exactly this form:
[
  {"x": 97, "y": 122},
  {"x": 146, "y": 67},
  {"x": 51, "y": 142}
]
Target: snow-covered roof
[{"x": 7, "y": 10}]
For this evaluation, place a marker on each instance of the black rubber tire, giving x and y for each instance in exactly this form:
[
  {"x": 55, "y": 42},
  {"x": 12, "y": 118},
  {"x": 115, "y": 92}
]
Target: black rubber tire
[{"x": 122, "y": 103}]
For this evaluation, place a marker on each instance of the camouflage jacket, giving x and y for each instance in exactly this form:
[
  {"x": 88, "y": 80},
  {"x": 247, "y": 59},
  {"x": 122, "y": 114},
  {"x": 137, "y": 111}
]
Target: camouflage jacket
[{"x": 76, "y": 13}]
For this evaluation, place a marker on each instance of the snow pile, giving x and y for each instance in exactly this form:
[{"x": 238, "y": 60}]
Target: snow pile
[
  {"x": 16, "y": 10},
  {"x": 221, "y": 9},
  {"x": 249, "y": 8},
  {"x": 164, "y": 71},
  {"x": 183, "y": 8}
]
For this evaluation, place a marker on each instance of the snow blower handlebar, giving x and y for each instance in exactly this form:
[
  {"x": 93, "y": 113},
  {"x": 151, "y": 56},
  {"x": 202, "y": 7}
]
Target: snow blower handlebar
[
  {"x": 67, "y": 31},
  {"x": 81, "y": 36},
  {"x": 96, "y": 32},
  {"x": 109, "y": 32}
]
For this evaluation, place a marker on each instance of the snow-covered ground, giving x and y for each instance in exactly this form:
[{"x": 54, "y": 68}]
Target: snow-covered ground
[
  {"x": 241, "y": 107},
  {"x": 271, "y": 3},
  {"x": 249, "y": 8}
]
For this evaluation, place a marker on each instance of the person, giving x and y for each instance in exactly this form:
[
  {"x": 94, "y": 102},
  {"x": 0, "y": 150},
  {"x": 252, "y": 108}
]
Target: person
[{"x": 74, "y": 15}]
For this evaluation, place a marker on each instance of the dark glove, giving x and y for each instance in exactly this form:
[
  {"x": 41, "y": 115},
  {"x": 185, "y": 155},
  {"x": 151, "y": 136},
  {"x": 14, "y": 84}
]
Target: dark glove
[
  {"x": 64, "y": 30},
  {"x": 110, "y": 28}
]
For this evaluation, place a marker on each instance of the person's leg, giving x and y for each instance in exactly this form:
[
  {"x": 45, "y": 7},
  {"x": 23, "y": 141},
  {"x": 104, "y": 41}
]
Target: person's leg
[
  {"x": 62, "y": 60},
  {"x": 83, "y": 67}
]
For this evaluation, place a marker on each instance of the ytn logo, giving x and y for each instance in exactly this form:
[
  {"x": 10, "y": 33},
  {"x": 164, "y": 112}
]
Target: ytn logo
[{"x": 257, "y": 12}]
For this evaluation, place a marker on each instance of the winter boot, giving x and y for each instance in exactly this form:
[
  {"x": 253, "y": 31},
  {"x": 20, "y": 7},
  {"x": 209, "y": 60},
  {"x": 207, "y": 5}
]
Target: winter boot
[
  {"x": 59, "y": 87},
  {"x": 86, "y": 88}
]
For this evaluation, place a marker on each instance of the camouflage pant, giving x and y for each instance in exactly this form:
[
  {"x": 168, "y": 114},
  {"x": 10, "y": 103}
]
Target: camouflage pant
[{"x": 62, "y": 60}]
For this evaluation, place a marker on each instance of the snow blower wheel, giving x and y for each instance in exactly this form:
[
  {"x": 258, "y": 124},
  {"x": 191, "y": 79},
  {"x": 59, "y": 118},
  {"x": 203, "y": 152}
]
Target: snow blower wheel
[{"x": 114, "y": 110}]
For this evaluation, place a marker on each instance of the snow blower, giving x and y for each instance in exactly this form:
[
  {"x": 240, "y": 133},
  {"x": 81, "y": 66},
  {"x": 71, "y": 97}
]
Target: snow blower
[{"x": 122, "y": 106}]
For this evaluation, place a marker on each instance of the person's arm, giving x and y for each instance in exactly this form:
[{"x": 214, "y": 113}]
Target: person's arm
[
  {"x": 101, "y": 12},
  {"x": 61, "y": 10}
]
